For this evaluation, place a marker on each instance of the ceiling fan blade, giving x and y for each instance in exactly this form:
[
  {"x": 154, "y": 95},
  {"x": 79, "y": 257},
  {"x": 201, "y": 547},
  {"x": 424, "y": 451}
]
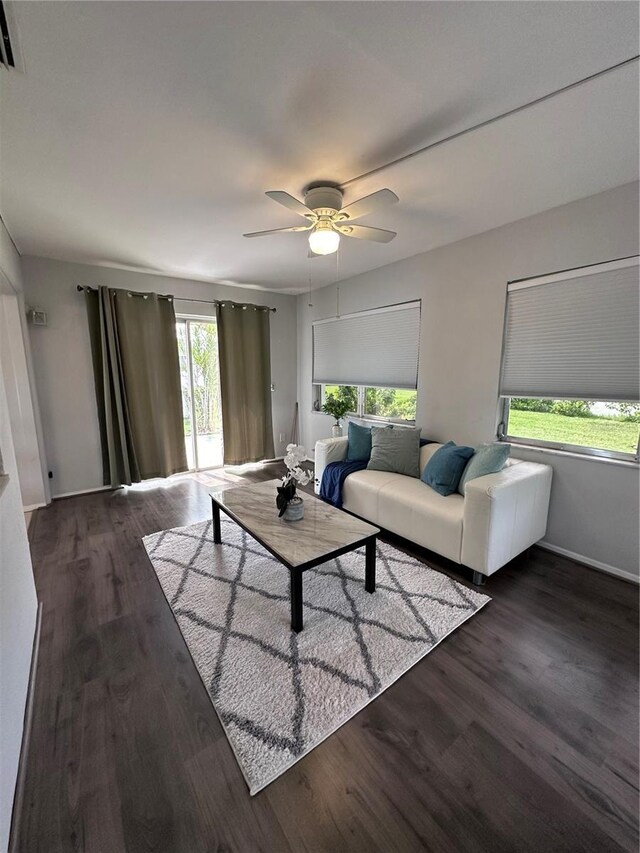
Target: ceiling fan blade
[
  {"x": 279, "y": 231},
  {"x": 365, "y": 232},
  {"x": 369, "y": 204},
  {"x": 290, "y": 202}
]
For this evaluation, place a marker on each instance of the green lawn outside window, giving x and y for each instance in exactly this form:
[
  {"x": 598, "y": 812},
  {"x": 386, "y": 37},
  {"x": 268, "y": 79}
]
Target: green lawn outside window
[{"x": 599, "y": 432}]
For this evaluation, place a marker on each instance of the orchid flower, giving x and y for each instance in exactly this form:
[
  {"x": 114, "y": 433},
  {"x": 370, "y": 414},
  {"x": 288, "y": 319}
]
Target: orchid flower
[{"x": 296, "y": 454}]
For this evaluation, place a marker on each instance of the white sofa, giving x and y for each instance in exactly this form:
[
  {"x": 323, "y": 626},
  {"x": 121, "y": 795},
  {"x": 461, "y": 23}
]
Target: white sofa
[{"x": 499, "y": 517}]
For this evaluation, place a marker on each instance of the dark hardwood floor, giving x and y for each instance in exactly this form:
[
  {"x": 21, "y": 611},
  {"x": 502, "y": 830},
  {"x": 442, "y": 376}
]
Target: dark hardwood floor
[{"x": 518, "y": 733}]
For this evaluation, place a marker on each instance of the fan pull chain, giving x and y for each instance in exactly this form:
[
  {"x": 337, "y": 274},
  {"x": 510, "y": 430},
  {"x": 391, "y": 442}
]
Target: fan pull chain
[{"x": 337, "y": 286}]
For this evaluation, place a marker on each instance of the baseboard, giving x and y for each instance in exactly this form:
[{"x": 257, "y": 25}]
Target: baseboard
[
  {"x": 83, "y": 492},
  {"x": 587, "y": 561},
  {"x": 33, "y": 507},
  {"x": 18, "y": 797}
]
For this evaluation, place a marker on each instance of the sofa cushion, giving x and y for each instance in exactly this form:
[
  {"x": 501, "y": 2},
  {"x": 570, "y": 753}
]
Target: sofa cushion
[
  {"x": 361, "y": 489},
  {"x": 396, "y": 450},
  {"x": 421, "y": 515},
  {"x": 487, "y": 459},
  {"x": 426, "y": 453}
]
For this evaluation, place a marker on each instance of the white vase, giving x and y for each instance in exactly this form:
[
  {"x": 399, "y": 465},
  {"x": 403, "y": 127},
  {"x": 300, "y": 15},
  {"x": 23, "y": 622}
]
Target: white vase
[{"x": 336, "y": 431}]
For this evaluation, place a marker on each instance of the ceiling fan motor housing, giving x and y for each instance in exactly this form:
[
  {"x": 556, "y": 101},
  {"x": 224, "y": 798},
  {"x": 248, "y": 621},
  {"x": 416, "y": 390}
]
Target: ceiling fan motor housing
[{"x": 323, "y": 200}]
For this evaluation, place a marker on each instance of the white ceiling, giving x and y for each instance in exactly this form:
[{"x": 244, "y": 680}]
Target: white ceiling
[{"x": 144, "y": 135}]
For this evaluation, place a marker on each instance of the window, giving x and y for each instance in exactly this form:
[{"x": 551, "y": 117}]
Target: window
[
  {"x": 394, "y": 403},
  {"x": 390, "y": 404},
  {"x": 575, "y": 424},
  {"x": 570, "y": 366},
  {"x": 370, "y": 348},
  {"x": 371, "y": 360},
  {"x": 349, "y": 393}
]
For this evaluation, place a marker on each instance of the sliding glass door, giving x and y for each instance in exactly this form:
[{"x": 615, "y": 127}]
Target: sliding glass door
[{"x": 201, "y": 406}]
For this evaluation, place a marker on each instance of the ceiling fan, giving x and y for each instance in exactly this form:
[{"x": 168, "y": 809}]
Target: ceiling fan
[{"x": 327, "y": 219}]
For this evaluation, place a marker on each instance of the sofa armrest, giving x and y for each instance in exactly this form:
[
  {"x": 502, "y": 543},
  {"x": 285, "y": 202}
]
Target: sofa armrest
[
  {"x": 504, "y": 514},
  {"x": 328, "y": 450}
]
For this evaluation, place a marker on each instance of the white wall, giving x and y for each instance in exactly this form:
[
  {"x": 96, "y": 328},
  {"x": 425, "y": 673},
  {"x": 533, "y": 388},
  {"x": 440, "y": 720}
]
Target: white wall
[
  {"x": 18, "y": 379},
  {"x": 594, "y": 509},
  {"x": 18, "y": 607},
  {"x": 62, "y": 358}
]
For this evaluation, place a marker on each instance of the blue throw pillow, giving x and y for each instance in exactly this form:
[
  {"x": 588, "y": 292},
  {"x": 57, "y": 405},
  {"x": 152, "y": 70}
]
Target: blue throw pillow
[
  {"x": 359, "y": 447},
  {"x": 487, "y": 459},
  {"x": 444, "y": 469}
]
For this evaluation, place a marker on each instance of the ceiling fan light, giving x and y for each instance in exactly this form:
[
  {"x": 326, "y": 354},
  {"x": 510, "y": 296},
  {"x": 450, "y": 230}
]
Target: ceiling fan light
[{"x": 324, "y": 241}]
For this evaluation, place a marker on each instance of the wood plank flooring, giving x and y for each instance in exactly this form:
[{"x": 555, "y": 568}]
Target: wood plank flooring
[{"x": 518, "y": 733}]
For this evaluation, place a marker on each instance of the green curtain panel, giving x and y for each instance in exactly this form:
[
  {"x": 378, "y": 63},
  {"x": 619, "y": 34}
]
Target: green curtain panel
[
  {"x": 245, "y": 382},
  {"x": 137, "y": 380}
]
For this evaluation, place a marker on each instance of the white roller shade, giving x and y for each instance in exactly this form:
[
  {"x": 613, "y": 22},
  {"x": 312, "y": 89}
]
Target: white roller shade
[
  {"x": 372, "y": 348},
  {"x": 574, "y": 335}
]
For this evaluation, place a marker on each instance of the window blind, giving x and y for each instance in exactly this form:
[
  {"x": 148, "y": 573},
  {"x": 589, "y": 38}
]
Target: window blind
[
  {"x": 372, "y": 348},
  {"x": 574, "y": 335}
]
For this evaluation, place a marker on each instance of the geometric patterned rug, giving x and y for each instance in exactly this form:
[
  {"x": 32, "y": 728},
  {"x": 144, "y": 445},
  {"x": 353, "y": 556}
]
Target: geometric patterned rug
[{"x": 279, "y": 694}]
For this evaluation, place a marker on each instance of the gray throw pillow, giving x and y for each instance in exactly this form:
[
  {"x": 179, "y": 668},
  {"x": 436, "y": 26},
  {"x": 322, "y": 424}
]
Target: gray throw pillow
[
  {"x": 488, "y": 459},
  {"x": 395, "y": 450}
]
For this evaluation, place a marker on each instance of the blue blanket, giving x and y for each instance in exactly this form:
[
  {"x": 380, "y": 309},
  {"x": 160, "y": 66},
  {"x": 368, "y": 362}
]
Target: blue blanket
[
  {"x": 336, "y": 473},
  {"x": 333, "y": 479}
]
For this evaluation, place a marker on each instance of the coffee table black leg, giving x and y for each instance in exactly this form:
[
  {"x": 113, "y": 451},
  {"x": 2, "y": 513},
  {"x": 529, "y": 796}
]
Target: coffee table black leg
[
  {"x": 296, "y": 600},
  {"x": 370, "y": 565},
  {"x": 215, "y": 509}
]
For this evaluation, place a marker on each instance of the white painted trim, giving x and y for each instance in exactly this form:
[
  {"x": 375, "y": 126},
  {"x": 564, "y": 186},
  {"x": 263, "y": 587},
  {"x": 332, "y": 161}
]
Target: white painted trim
[
  {"x": 556, "y": 451},
  {"x": 386, "y": 309},
  {"x": 578, "y": 272},
  {"x": 196, "y": 318},
  {"x": 588, "y": 561},
  {"x": 84, "y": 492},
  {"x": 33, "y": 507}
]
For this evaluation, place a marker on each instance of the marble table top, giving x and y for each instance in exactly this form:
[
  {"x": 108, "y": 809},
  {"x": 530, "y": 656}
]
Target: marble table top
[{"x": 323, "y": 529}]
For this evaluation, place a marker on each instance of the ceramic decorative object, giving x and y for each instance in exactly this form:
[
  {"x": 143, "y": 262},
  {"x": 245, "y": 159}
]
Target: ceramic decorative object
[
  {"x": 291, "y": 506},
  {"x": 294, "y": 510}
]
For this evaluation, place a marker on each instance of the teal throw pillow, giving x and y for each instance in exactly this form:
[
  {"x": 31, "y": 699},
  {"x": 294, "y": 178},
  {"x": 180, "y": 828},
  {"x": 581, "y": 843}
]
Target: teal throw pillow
[
  {"x": 359, "y": 447},
  {"x": 488, "y": 459},
  {"x": 395, "y": 450},
  {"x": 443, "y": 471}
]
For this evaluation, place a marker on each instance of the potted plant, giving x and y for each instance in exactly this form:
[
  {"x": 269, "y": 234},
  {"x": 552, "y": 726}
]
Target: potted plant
[
  {"x": 291, "y": 505},
  {"x": 337, "y": 409}
]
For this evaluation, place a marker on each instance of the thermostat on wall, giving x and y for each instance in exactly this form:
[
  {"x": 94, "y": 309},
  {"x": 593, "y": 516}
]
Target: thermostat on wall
[{"x": 37, "y": 318}]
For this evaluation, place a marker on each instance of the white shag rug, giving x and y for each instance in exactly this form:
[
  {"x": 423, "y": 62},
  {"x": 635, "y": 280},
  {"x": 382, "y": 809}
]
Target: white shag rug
[{"x": 279, "y": 694}]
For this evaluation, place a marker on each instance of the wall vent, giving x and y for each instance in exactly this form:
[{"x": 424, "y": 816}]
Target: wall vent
[{"x": 9, "y": 55}]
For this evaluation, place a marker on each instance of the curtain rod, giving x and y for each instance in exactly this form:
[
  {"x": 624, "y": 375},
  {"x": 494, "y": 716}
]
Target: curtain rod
[{"x": 81, "y": 287}]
